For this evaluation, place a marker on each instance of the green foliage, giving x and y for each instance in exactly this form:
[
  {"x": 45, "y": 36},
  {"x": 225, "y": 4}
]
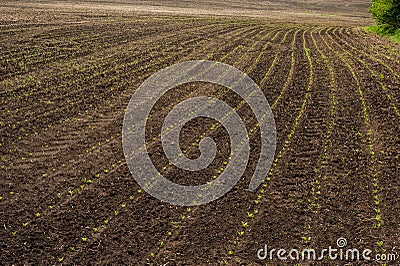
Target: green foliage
[
  {"x": 386, "y": 13},
  {"x": 385, "y": 30},
  {"x": 387, "y": 16}
]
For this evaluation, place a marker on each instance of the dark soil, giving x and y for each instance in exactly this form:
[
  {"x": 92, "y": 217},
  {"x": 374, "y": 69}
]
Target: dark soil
[{"x": 67, "y": 196}]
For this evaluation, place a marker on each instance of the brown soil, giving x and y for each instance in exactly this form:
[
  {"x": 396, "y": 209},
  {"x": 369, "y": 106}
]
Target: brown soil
[{"x": 66, "y": 77}]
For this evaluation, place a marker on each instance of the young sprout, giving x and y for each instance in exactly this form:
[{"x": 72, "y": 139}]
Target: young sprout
[
  {"x": 116, "y": 213},
  {"x": 175, "y": 224},
  {"x": 84, "y": 239},
  {"x": 37, "y": 214},
  {"x": 60, "y": 259},
  {"x": 245, "y": 224},
  {"x": 131, "y": 197},
  {"x": 241, "y": 233}
]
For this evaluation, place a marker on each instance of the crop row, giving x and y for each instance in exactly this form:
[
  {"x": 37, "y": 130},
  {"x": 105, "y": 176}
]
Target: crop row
[
  {"x": 177, "y": 223},
  {"x": 70, "y": 193},
  {"x": 373, "y": 175},
  {"x": 245, "y": 225},
  {"x": 34, "y": 56},
  {"x": 109, "y": 53},
  {"x": 93, "y": 123},
  {"x": 79, "y": 40},
  {"x": 378, "y": 77},
  {"x": 107, "y": 108},
  {"x": 165, "y": 169},
  {"x": 109, "y": 76}
]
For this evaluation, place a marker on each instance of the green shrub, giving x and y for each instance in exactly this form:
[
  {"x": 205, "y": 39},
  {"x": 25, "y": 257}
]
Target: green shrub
[
  {"x": 386, "y": 30},
  {"x": 386, "y": 12}
]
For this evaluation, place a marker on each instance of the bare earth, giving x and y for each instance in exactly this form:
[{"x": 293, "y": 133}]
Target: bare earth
[
  {"x": 68, "y": 71},
  {"x": 340, "y": 11}
]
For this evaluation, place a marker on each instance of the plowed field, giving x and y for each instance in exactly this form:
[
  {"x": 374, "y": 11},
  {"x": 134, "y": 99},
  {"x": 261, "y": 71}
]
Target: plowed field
[{"x": 67, "y": 195}]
